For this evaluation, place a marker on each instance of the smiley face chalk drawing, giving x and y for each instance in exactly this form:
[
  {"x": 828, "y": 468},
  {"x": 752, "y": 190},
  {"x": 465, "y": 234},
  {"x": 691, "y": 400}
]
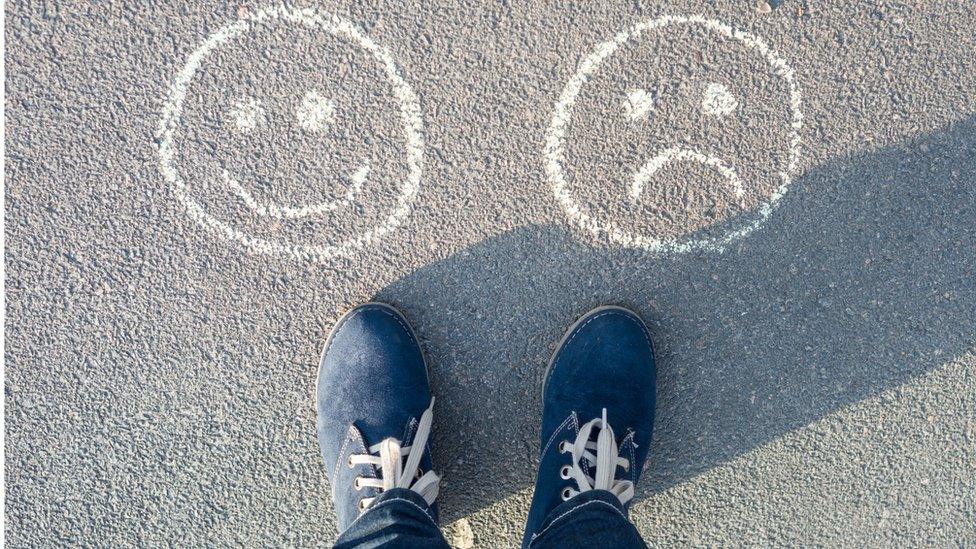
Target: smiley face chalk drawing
[
  {"x": 291, "y": 132},
  {"x": 678, "y": 134}
]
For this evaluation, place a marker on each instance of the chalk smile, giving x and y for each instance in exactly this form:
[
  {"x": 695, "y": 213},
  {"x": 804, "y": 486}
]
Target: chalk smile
[{"x": 270, "y": 209}]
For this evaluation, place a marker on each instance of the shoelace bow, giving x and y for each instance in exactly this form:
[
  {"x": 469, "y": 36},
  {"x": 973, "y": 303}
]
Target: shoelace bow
[
  {"x": 603, "y": 454},
  {"x": 393, "y": 471}
]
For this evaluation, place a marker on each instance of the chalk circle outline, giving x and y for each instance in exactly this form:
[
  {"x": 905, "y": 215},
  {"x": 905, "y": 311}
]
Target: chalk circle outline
[
  {"x": 553, "y": 151},
  {"x": 410, "y": 114}
]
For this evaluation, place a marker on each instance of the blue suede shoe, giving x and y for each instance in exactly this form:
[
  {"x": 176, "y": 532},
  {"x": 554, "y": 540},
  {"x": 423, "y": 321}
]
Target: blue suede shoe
[
  {"x": 374, "y": 411},
  {"x": 598, "y": 414}
]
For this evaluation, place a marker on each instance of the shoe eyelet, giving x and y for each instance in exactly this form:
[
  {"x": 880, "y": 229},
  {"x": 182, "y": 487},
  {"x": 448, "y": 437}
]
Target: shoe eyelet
[
  {"x": 562, "y": 447},
  {"x": 564, "y": 472},
  {"x": 349, "y": 462},
  {"x": 356, "y": 484},
  {"x": 565, "y": 494},
  {"x": 362, "y": 507}
]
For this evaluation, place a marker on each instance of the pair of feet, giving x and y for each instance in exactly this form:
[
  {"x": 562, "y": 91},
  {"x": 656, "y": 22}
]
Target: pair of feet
[{"x": 375, "y": 410}]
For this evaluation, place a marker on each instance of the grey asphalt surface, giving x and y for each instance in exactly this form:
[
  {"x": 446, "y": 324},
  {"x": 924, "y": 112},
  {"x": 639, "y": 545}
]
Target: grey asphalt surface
[{"x": 817, "y": 380}]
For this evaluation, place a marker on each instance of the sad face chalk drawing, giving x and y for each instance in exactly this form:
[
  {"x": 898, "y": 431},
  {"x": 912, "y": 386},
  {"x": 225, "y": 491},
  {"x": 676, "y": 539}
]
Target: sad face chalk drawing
[
  {"x": 293, "y": 133},
  {"x": 693, "y": 125}
]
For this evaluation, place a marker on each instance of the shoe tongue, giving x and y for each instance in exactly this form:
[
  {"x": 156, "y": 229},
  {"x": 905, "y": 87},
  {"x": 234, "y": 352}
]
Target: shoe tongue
[
  {"x": 373, "y": 436},
  {"x": 409, "y": 431},
  {"x": 400, "y": 428},
  {"x": 588, "y": 468}
]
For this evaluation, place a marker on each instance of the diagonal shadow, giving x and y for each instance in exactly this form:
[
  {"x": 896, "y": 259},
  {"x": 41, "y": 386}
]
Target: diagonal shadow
[{"x": 862, "y": 280}]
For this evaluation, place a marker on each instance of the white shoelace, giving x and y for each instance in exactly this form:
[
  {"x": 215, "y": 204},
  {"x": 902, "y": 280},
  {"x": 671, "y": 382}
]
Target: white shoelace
[
  {"x": 394, "y": 473},
  {"x": 602, "y": 454}
]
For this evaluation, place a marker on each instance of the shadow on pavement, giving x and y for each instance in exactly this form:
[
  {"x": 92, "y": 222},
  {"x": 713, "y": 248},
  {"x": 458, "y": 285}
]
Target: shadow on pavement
[{"x": 863, "y": 279}]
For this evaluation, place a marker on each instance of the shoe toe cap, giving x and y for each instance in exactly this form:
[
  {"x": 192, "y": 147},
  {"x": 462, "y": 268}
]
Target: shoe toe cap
[
  {"x": 609, "y": 345},
  {"x": 606, "y": 361},
  {"x": 372, "y": 374}
]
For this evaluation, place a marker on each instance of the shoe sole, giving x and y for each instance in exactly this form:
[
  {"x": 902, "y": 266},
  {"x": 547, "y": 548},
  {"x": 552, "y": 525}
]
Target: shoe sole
[
  {"x": 341, "y": 321},
  {"x": 584, "y": 317}
]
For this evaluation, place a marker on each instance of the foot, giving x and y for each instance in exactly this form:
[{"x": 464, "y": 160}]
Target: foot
[
  {"x": 598, "y": 413},
  {"x": 374, "y": 411}
]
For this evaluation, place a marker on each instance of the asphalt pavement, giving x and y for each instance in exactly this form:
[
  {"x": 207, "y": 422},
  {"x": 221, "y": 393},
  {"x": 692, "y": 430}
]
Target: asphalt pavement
[{"x": 196, "y": 191}]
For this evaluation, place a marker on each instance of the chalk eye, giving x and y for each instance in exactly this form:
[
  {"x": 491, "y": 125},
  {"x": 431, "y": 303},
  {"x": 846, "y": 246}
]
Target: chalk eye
[
  {"x": 246, "y": 114},
  {"x": 638, "y": 104},
  {"x": 717, "y": 100},
  {"x": 316, "y": 113}
]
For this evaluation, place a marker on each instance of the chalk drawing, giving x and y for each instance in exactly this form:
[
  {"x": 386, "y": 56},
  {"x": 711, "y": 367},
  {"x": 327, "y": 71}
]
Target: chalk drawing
[
  {"x": 717, "y": 100},
  {"x": 270, "y": 209},
  {"x": 644, "y": 174},
  {"x": 314, "y": 114},
  {"x": 247, "y": 113},
  {"x": 638, "y": 104}
]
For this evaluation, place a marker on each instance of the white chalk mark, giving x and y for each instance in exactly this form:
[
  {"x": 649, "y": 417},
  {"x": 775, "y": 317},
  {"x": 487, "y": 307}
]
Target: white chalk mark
[
  {"x": 409, "y": 116},
  {"x": 667, "y": 156},
  {"x": 270, "y": 209},
  {"x": 638, "y": 104},
  {"x": 247, "y": 112},
  {"x": 315, "y": 114},
  {"x": 357, "y": 179},
  {"x": 554, "y": 149},
  {"x": 717, "y": 100}
]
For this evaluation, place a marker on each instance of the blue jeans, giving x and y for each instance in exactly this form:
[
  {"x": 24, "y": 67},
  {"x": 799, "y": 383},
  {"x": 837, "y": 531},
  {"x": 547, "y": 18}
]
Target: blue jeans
[{"x": 401, "y": 518}]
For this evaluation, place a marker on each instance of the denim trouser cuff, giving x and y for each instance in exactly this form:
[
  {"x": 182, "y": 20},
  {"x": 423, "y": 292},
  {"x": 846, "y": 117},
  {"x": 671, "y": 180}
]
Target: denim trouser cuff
[
  {"x": 593, "y": 518},
  {"x": 398, "y": 518}
]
